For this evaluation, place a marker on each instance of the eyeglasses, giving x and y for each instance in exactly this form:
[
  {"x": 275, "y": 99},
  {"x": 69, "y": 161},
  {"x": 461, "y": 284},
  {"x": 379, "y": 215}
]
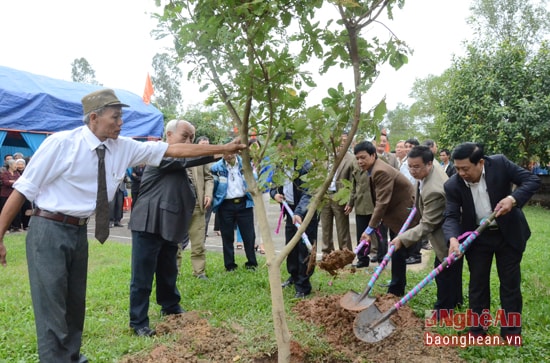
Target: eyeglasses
[{"x": 416, "y": 167}]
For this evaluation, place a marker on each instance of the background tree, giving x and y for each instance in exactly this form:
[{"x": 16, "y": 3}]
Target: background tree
[
  {"x": 212, "y": 121},
  {"x": 495, "y": 94},
  {"x": 166, "y": 82},
  {"x": 82, "y": 72}
]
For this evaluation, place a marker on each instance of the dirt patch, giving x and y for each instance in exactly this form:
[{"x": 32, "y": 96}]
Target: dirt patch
[
  {"x": 336, "y": 260},
  {"x": 198, "y": 342},
  {"x": 405, "y": 344}
]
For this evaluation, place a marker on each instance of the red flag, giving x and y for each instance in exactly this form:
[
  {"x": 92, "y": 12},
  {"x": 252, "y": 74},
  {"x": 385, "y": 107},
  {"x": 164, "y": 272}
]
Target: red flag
[{"x": 148, "y": 92}]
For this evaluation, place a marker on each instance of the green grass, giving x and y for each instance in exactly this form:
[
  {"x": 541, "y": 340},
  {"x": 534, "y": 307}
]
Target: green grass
[{"x": 240, "y": 301}]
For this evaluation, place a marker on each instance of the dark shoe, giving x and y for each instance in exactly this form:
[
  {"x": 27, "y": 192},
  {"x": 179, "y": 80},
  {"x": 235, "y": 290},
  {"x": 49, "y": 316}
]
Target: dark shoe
[
  {"x": 413, "y": 260},
  {"x": 251, "y": 267},
  {"x": 287, "y": 283},
  {"x": 232, "y": 268},
  {"x": 145, "y": 332},
  {"x": 362, "y": 263},
  {"x": 82, "y": 359},
  {"x": 176, "y": 311},
  {"x": 118, "y": 224},
  {"x": 202, "y": 277},
  {"x": 300, "y": 295}
]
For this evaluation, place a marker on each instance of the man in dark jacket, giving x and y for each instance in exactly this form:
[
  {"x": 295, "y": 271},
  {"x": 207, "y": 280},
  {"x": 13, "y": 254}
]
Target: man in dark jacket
[
  {"x": 159, "y": 222},
  {"x": 484, "y": 184},
  {"x": 297, "y": 197}
]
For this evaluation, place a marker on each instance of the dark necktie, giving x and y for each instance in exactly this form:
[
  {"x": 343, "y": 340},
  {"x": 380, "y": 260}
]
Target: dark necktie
[{"x": 102, "y": 203}]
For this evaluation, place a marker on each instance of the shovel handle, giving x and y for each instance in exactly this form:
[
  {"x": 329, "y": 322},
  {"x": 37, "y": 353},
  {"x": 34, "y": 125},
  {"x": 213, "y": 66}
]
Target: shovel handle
[
  {"x": 387, "y": 257},
  {"x": 305, "y": 238},
  {"x": 446, "y": 262}
]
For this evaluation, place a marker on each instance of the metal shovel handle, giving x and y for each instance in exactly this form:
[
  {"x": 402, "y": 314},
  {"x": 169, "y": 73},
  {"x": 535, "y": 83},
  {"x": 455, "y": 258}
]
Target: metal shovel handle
[{"x": 436, "y": 271}]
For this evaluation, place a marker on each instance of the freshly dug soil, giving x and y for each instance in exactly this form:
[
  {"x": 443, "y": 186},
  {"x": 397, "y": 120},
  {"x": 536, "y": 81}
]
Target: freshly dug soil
[
  {"x": 336, "y": 260},
  {"x": 198, "y": 342}
]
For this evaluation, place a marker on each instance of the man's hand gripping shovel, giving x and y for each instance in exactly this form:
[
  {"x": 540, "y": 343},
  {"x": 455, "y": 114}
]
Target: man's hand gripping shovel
[
  {"x": 358, "y": 302},
  {"x": 371, "y": 325}
]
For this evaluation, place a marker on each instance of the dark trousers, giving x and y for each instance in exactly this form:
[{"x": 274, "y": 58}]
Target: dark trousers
[
  {"x": 361, "y": 223},
  {"x": 449, "y": 285},
  {"x": 232, "y": 214},
  {"x": 57, "y": 258},
  {"x": 298, "y": 258},
  {"x": 480, "y": 257},
  {"x": 116, "y": 206},
  {"x": 152, "y": 256}
]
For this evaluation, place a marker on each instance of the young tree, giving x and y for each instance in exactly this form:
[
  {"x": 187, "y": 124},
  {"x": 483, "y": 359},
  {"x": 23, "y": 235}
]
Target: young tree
[
  {"x": 82, "y": 72},
  {"x": 244, "y": 50}
]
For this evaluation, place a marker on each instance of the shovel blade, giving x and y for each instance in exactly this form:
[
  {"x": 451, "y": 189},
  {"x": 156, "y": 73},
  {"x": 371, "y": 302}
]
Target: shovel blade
[
  {"x": 352, "y": 301},
  {"x": 362, "y": 325}
]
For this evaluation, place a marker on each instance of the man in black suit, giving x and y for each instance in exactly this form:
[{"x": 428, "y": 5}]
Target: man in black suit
[
  {"x": 159, "y": 222},
  {"x": 483, "y": 184}
]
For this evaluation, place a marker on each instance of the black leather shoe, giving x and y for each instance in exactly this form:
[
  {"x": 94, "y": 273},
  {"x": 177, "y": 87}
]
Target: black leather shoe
[
  {"x": 287, "y": 283},
  {"x": 251, "y": 267},
  {"x": 413, "y": 260},
  {"x": 145, "y": 332},
  {"x": 172, "y": 312},
  {"x": 300, "y": 295},
  {"x": 362, "y": 263}
]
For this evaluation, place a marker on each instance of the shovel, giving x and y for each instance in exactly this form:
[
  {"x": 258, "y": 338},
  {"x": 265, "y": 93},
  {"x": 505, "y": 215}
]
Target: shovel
[
  {"x": 371, "y": 325},
  {"x": 358, "y": 302},
  {"x": 305, "y": 239}
]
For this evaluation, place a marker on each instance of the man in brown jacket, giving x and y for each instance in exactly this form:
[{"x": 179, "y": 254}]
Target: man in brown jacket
[{"x": 393, "y": 197}]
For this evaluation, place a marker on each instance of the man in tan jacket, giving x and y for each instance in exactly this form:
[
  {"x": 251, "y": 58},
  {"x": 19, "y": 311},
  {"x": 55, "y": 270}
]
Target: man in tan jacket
[{"x": 430, "y": 203}]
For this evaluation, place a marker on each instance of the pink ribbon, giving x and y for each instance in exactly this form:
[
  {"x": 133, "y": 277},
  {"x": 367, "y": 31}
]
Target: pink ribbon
[{"x": 280, "y": 221}]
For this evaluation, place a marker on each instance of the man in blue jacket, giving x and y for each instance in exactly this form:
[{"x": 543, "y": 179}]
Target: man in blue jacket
[{"x": 234, "y": 206}]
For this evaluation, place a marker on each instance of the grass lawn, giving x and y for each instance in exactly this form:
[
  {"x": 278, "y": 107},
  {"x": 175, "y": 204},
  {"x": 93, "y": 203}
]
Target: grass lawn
[{"x": 242, "y": 299}]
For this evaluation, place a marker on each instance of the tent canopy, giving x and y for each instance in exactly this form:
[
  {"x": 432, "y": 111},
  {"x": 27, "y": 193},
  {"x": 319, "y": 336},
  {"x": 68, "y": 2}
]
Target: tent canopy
[{"x": 37, "y": 104}]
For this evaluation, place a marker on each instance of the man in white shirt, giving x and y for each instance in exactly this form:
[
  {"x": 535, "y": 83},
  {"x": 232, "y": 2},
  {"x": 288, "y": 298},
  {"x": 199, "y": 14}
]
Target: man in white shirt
[{"x": 63, "y": 186}]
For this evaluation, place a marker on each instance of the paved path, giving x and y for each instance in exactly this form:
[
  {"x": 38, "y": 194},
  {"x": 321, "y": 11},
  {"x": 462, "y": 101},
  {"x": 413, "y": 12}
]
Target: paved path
[{"x": 214, "y": 243}]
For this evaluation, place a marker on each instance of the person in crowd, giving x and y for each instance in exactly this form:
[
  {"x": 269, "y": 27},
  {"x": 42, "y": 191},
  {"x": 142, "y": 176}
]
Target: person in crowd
[
  {"x": 204, "y": 140},
  {"x": 66, "y": 188},
  {"x": 334, "y": 212},
  {"x": 298, "y": 198},
  {"x": 18, "y": 155},
  {"x": 430, "y": 205},
  {"x": 414, "y": 254},
  {"x": 26, "y": 209},
  {"x": 234, "y": 206},
  {"x": 432, "y": 145},
  {"x": 361, "y": 200},
  {"x": 136, "y": 173},
  {"x": 446, "y": 163},
  {"x": 116, "y": 206},
  {"x": 483, "y": 184},
  {"x": 388, "y": 157},
  {"x": 393, "y": 197},
  {"x": 400, "y": 152},
  {"x": 7, "y": 158},
  {"x": 159, "y": 223},
  {"x": 9, "y": 177},
  {"x": 203, "y": 184}
]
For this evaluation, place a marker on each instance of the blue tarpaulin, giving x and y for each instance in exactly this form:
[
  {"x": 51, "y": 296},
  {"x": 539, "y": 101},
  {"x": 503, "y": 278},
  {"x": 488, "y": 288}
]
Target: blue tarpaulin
[{"x": 34, "y": 103}]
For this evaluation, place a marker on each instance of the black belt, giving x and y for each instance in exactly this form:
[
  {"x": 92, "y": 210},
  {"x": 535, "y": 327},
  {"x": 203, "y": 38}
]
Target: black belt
[
  {"x": 60, "y": 217},
  {"x": 235, "y": 200}
]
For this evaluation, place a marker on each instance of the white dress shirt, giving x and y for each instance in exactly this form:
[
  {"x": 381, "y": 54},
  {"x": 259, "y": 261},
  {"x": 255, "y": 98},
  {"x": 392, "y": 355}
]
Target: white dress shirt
[{"x": 62, "y": 174}]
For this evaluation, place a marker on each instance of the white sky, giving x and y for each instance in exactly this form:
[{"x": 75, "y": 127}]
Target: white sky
[{"x": 45, "y": 36}]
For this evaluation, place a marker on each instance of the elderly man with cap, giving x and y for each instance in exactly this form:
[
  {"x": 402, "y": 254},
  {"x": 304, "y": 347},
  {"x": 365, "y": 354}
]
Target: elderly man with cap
[{"x": 66, "y": 191}]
